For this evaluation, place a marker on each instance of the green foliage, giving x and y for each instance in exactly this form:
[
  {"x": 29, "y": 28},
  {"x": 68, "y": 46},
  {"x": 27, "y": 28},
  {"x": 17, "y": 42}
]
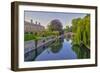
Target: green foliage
[
  {"x": 55, "y": 25},
  {"x": 46, "y": 33},
  {"x": 81, "y": 30},
  {"x": 28, "y": 37},
  {"x": 81, "y": 51},
  {"x": 55, "y": 33},
  {"x": 38, "y": 36},
  {"x": 67, "y": 28}
]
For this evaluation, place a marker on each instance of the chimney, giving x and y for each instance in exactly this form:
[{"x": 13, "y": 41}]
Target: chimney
[
  {"x": 39, "y": 23},
  {"x": 36, "y": 22},
  {"x": 31, "y": 21}
]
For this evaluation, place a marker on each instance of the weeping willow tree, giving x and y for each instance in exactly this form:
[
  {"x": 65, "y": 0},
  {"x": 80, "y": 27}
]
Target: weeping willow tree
[{"x": 81, "y": 30}]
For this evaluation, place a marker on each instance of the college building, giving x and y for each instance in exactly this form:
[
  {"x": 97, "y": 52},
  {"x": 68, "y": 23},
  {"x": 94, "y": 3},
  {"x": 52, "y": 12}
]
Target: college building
[{"x": 30, "y": 27}]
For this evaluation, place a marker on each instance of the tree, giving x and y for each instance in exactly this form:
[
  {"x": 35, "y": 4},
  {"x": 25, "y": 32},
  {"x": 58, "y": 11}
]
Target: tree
[
  {"x": 70, "y": 29},
  {"x": 81, "y": 29},
  {"x": 55, "y": 25},
  {"x": 67, "y": 28}
]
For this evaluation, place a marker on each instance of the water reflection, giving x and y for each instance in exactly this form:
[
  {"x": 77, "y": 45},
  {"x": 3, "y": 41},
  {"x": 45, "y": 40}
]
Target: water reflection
[
  {"x": 60, "y": 49},
  {"x": 81, "y": 51},
  {"x": 57, "y": 45},
  {"x": 30, "y": 56}
]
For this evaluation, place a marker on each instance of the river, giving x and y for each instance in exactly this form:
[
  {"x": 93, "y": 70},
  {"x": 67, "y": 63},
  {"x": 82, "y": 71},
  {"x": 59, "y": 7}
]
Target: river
[{"x": 60, "y": 49}]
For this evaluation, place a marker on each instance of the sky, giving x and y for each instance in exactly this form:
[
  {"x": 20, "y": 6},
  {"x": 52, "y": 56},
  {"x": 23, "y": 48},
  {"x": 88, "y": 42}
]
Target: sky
[{"x": 46, "y": 17}]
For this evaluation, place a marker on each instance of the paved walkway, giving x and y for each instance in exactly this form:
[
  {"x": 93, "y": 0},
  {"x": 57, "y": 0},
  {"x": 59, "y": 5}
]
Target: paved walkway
[{"x": 30, "y": 45}]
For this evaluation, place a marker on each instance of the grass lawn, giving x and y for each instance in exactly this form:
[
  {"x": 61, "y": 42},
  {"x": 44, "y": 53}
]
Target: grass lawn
[{"x": 28, "y": 37}]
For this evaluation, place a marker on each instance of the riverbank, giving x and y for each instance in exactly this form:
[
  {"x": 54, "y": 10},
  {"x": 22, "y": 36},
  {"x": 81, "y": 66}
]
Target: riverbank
[{"x": 30, "y": 45}]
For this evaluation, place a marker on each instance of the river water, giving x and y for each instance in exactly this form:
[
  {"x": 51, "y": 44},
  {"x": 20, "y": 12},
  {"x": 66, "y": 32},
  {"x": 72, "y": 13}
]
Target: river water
[{"x": 58, "y": 50}]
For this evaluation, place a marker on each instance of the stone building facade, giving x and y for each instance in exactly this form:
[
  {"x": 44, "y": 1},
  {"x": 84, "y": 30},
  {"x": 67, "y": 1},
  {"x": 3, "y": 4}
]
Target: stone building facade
[{"x": 30, "y": 27}]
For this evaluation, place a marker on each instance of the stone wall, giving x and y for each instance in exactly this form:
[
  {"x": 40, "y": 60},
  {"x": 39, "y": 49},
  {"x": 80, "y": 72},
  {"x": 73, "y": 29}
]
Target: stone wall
[{"x": 30, "y": 27}]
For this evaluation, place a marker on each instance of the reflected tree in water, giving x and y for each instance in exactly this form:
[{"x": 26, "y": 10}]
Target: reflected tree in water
[
  {"x": 81, "y": 51},
  {"x": 56, "y": 46}
]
